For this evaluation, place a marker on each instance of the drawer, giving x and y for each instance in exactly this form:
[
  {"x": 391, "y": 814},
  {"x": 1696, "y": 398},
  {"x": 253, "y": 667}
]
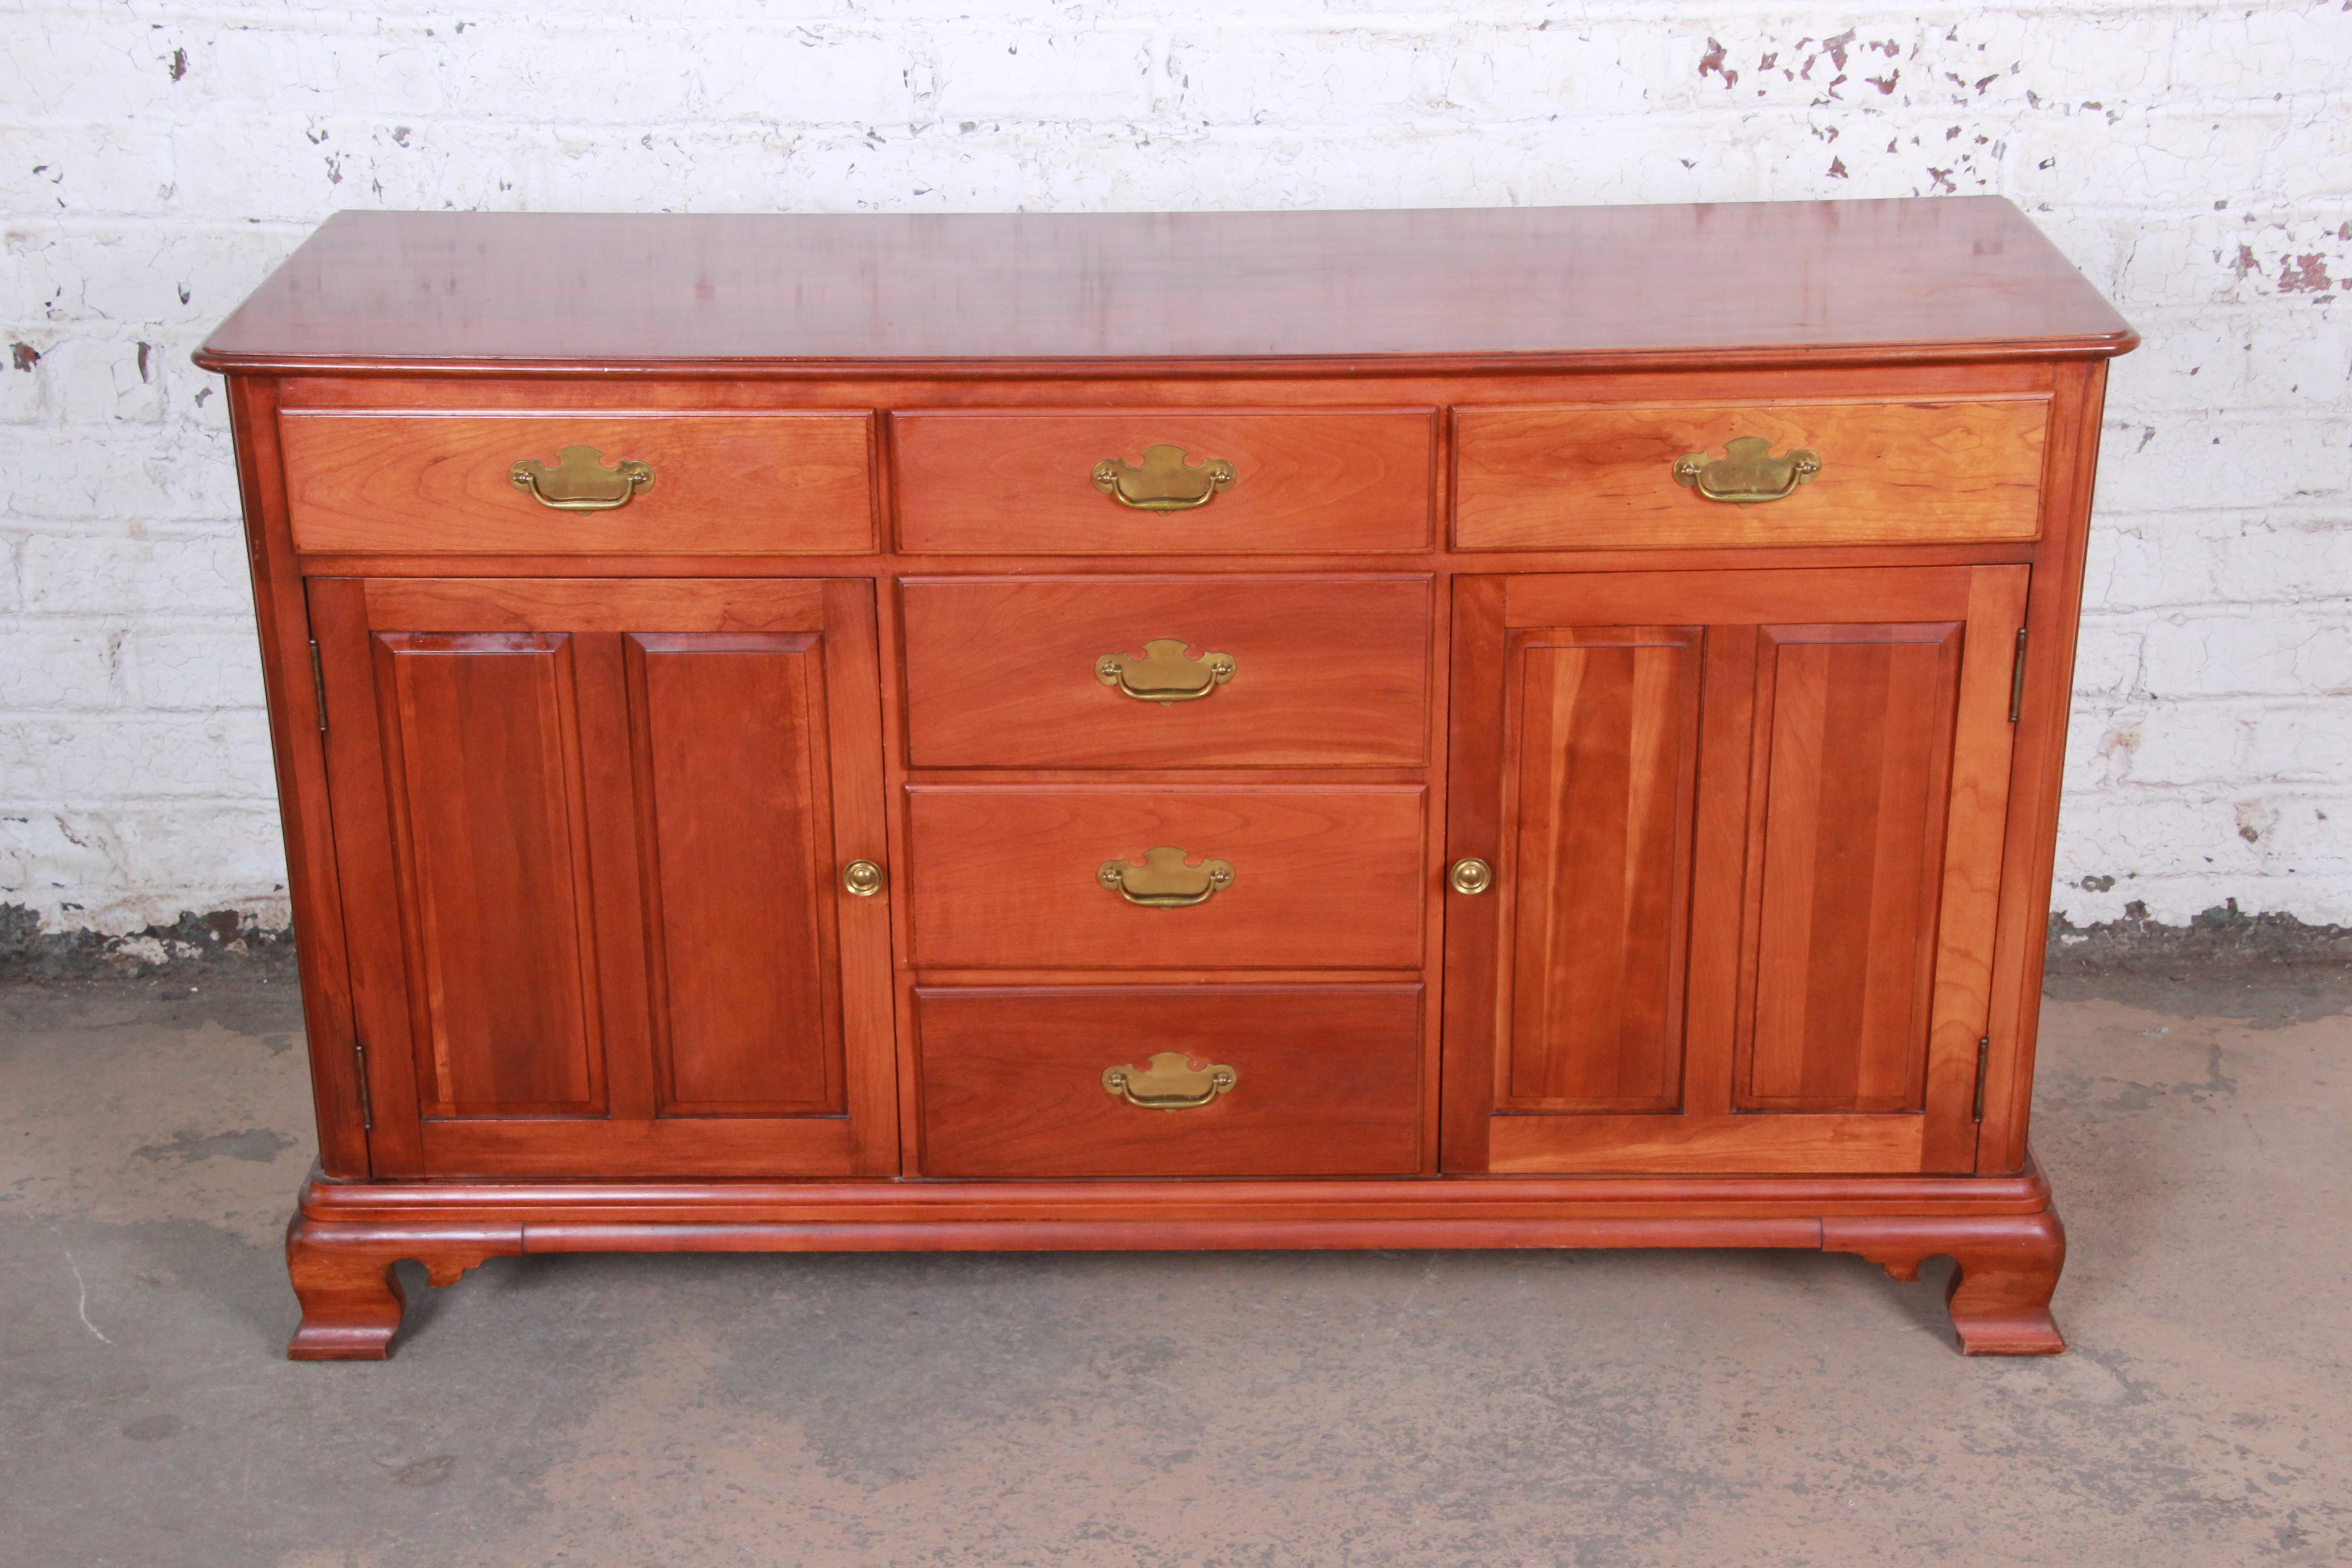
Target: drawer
[
  {"x": 1201, "y": 672},
  {"x": 1015, "y": 877},
  {"x": 1000, "y": 482},
  {"x": 1320, "y": 1081},
  {"x": 1889, "y": 473},
  {"x": 442, "y": 484}
]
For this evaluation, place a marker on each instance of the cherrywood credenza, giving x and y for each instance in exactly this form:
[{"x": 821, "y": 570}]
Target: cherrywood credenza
[{"x": 1531, "y": 727}]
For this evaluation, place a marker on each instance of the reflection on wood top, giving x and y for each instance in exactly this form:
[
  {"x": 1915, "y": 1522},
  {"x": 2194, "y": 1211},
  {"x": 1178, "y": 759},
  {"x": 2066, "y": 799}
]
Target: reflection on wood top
[{"x": 1913, "y": 279}]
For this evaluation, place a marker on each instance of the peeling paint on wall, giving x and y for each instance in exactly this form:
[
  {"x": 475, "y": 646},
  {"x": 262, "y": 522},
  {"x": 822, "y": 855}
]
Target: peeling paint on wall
[{"x": 2195, "y": 160}]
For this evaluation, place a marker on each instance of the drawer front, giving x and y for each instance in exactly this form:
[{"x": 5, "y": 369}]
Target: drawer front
[
  {"x": 1013, "y": 483},
  {"x": 722, "y": 484},
  {"x": 1320, "y": 1081},
  {"x": 1201, "y": 672},
  {"x": 1892, "y": 473},
  {"x": 1015, "y": 877}
]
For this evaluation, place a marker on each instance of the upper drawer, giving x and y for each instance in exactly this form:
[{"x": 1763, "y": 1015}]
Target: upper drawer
[
  {"x": 442, "y": 484},
  {"x": 1884, "y": 473},
  {"x": 1053, "y": 672},
  {"x": 1164, "y": 481}
]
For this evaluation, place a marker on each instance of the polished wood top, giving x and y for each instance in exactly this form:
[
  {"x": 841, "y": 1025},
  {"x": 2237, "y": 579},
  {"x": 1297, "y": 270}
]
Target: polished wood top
[{"x": 1959, "y": 278}]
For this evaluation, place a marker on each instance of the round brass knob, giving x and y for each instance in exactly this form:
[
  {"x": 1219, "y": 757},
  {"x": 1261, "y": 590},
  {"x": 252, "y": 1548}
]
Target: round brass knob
[
  {"x": 1470, "y": 875},
  {"x": 861, "y": 878}
]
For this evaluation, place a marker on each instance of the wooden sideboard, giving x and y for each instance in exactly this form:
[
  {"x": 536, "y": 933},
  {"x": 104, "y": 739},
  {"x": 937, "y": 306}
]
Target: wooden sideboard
[{"x": 1480, "y": 729}]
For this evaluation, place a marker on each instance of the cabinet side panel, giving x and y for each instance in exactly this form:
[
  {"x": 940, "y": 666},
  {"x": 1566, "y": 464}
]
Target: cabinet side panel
[
  {"x": 1607, "y": 759},
  {"x": 1858, "y": 757},
  {"x": 489, "y": 813},
  {"x": 734, "y": 832}
]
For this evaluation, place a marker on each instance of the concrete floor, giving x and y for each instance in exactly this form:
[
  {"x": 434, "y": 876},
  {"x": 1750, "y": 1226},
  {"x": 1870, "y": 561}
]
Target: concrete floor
[{"x": 1416, "y": 1408}]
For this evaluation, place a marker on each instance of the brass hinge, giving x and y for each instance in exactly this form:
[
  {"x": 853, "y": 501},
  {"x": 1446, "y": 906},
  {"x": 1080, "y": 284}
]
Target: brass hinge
[
  {"x": 318, "y": 687},
  {"x": 367, "y": 1103},
  {"x": 2017, "y": 681},
  {"x": 1984, "y": 1059}
]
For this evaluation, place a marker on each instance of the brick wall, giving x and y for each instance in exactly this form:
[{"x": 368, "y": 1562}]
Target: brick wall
[{"x": 2195, "y": 160}]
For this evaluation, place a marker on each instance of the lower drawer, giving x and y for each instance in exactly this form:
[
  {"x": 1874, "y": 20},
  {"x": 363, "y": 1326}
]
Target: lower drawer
[
  {"x": 1138, "y": 876},
  {"x": 1234, "y": 1081}
]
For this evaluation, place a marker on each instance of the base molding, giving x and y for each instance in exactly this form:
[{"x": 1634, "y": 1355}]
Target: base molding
[{"x": 2001, "y": 1231}]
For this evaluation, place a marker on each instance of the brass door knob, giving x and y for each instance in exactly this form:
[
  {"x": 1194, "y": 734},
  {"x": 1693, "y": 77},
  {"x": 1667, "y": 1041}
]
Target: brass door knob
[
  {"x": 1747, "y": 473},
  {"x": 1163, "y": 881},
  {"x": 1164, "y": 674},
  {"x": 1470, "y": 875},
  {"x": 580, "y": 481},
  {"x": 1165, "y": 482},
  {"x": 861, "y": 878},
  {"x": 1170, "y": 1083}
]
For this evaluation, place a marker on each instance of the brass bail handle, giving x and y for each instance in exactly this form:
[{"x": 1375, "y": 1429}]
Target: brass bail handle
[
  {"x": 1163, "y": 881},
  {"x": 580, "y": 481},
  {"x": 1165, "y": 482},
  {"x": 1748, "y": 474},
  {"x": 1164, "y": 673},
  {"x": 1170, "y": 1083}
]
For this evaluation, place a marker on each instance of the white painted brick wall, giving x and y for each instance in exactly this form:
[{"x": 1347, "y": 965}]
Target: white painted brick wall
[{"x": 2194, "y": 159}]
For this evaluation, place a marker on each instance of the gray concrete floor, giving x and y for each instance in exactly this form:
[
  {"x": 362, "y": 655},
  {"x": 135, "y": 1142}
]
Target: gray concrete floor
[{"x": 1487, "y": 1409}]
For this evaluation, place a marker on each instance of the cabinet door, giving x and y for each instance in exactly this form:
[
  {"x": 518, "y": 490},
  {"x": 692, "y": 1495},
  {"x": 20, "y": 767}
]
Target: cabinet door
[
  {"x": 1746, "y": 829},
  {"x": 591, "y": 837}
]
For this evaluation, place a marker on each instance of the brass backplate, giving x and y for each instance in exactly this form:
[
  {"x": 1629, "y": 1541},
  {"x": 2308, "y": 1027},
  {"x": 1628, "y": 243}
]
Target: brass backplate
[
  {"x": 1165, "y": 481},
  {"x": 1164, "y": 672},
  {"x": 1164, "y": 881},
  {"x": 1173, "y": 1081},
  {"x": 1748, "y": 474},
  {"x": 580, "y": 481}
]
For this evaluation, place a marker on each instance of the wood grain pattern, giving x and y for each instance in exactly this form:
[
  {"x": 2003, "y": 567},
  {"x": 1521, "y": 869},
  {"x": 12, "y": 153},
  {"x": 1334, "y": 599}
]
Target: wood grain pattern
[
  {"x": 1852, "y": 772},
  {"x": 490, "y": 813},
  {"x": 1728, "y": 991},
  {"x": 983, "y": 481},
  {"x": 1143, "y": 1203},
  {"x": 1857, "y": 752},
  {"x": 1597, "y": 478},
  {"x": 620, "y": 943},
  {"x": 730, "y": 484},
  {"x": 1608, "y": 767},
  {"x": 297, "y": 752},
  {"x": 352, "y": 1302},
  {"x": 1325, "y": 876},
  {"x": 588, "y": 605},
  {"x": 1881, "y": 281},
  {"x": 2001, "y": 1231},
  {"x": 2007, "y": 1269},
  {"x": 1328, "y": 671},
  {"x": 2035, "y": 785},
  {"x": 737, "y": 841},
  {"x": 1326, "y": 1080}
]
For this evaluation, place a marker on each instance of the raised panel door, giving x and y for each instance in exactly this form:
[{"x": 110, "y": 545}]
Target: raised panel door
[
  {"x": 1747, "y": 833},
  {"x": 595, "y": 833}
]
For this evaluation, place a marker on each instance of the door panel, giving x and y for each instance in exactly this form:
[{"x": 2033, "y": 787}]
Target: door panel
[
  {"x": 610, "y": 819},
  {"x": 1747, "y": 827},
  {"x": 726, "y": 737},
  {"x": 1608, "y": 760},
  {"x": 488, "y": 812},
  {"x": 1853, "y": 762}
]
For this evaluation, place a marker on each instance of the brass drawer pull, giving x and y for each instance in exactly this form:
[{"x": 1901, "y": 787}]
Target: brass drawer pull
[
  {"x": 1170, "y": 1083},
  {"x": 1163, "y": 673},
  {"x": 1163, "y": 881},
  {"x": 580, "y": 481},
  {"x": 1747, "y": 473},
  {"x": 861, "y": 878},
  {"x": 1165, "y": 482}
]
